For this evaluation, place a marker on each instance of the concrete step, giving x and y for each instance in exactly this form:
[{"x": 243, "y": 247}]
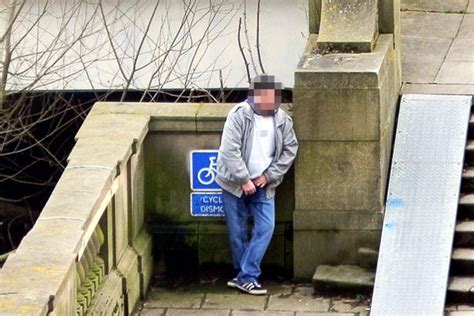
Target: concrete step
[
  {"x": 466, "y": 206},
  {"x": 343, "y": 279},
  {"x": 464, "y": 234},
  {"x": 467, "y": 184},
  {"x": 367, "y": 258},
  {"x": 462, "y": 262},
  {"x": 461, "y": 289},
  {"x": 469, "y": 154}
]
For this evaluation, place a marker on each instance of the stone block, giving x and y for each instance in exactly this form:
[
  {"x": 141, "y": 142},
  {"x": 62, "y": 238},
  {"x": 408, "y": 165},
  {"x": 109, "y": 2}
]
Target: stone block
[
  {"x": 84, "y": 179},
  {"x": 137, "y": 190},
  {"x": 470, "y": 8},
  {"x": 344, "y": 71},
  {"x": 99, "y": 125},
  {"x": 101, "y": 152},
  {"x": 64, "y": 303},
  {"x": 348, "y": 26},
  {"x": 343, "y": 278},
  {"x": 314, "y": 15},
  {"x": 211, "y": 117},
  {"x": 122, "y": 215},
  {"x": 367, "y": 258},
  {"x": 129, "y": 269},
  {"x": 339, "y": 176},
  {"x": 30, "y": 272},
  {"x": 337, "y": 114},
  {"x": 336, "y": 220},
  {"x": 17, "y": 304},
  {"x": 460, "y": 89},
  {"x": 314, "y": 248},
  {"x": 59, "y": 235}
]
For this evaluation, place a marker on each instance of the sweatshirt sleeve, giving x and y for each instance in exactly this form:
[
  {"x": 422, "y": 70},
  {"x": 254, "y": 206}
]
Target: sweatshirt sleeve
[{"x": 230, "y": 152}]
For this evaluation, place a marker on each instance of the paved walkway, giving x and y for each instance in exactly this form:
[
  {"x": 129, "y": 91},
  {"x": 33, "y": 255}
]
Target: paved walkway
[
  {"x": 283, "y": 300},
  {"x": 438, "y": 46}
]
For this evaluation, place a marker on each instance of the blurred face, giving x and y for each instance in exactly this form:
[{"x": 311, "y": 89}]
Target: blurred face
[{"x": 265, "y": 99}]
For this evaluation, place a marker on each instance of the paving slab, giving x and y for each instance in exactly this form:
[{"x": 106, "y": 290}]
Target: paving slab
[
  {"x": 261, "y": 313},
  {"x": 197, "y": 312},
  {"x": 435, "y": 5},
  {"x": 461, "y": 50},
  {"x": 324, "y": 314},
  {"x": 456, "y": 72},
  {"x": 422, "y": 58},
  {"x": 348, "y": 305},
  {"x": 169, "y": 299},
  {"x": 234, "y": 301},
  {"x": 151, "y": 312},
  {"x": 470, "y": 7},
  {"x": 466, "y": 30},
  {"x": 423, "y": 24},
  {"x": 298, "y": 302}
]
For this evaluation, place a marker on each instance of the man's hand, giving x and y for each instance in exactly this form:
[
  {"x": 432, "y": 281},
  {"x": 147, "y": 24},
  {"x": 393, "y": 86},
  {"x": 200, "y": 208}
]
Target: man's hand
[
  {"x": 260, "y": 181},
  {"x": 249, "y": 188}
]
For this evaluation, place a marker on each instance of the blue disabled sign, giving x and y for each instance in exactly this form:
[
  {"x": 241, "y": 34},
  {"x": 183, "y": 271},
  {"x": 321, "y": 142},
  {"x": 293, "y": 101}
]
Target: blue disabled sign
[
  {"x": 207, "y": 204},
  {"x": 203, "y": 170}
]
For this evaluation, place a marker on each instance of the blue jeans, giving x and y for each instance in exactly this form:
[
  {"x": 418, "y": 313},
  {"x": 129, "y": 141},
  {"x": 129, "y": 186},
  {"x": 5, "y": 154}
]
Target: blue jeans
[{"x": 247, "y": 254}]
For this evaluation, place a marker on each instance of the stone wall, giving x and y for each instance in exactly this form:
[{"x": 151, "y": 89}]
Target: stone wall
[
  {"x": 180, "y": 129},
  {"x": 88, "y": 250}
]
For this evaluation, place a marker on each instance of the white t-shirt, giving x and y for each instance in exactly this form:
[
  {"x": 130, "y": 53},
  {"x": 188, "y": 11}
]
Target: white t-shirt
[{"x": 263, "y": 145}]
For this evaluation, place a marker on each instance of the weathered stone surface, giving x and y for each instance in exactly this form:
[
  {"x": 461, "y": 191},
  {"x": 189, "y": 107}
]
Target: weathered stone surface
[
  {"x": 84, "y": 179},
  {"x": 354, "y": 168},
  {"x": 113, "y": 124},
  {"x": 168, "y": 299},
  {"x": 60, "y": 235},
  {"x": 234, "y": 301},
  {"x": 435, "y": 5},
  {"x": 197, "y": 312},
  {"x": 152, "y": 312},
  {"x": 211, "y": 117},
  {"x": 320, "y": 114},
  {"x": 367, "y": 258},
  {"x": 261, "y": 313},
  {"x": 314, "y": 248},
  {"x": 122, "y": 216},
  {"x": 344, "y": 277},
  {"x": 137, "y": 182},
  {"x": 456, "y": 73},
  {"x": 423, "y": 24},
  {"x": 461, "y": 50},
  {"x": 336, "y": 220},
  {"x": 37, "y": 272},
  {"x": 109, "y": 298},
  {"x": 348, "y": 26},
  {"x": 101, "y": 152},
  {"x": 344, "y": 71},
  {"x": 347, "y": 305},
  {"x": 466, "y": 31},
  {"x": 18, "y": 304},
  {"x": 422, "y": 57},
  {"x": 298, "y": 302}
]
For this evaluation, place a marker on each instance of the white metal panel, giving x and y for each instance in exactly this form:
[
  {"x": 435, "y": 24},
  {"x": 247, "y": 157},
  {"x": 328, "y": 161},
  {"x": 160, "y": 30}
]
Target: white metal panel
[{"x": 420, "y": 214}]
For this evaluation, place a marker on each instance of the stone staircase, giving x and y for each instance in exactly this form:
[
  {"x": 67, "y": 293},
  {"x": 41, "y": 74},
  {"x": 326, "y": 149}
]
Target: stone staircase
[
  {"x": 346, "y": 278},
  {"x": 461, "y": 280}
]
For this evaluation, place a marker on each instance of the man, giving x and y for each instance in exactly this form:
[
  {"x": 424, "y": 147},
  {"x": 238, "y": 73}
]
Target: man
[{"x": 257, "y": 148}]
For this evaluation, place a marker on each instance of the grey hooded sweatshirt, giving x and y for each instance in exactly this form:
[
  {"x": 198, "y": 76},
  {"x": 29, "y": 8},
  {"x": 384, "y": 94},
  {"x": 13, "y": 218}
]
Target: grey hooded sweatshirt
[{"x": 236, "y": 144}]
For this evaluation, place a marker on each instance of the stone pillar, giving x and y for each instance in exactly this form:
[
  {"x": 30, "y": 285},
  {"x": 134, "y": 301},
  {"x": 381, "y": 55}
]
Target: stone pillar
[{"x": 344, "y": 113}]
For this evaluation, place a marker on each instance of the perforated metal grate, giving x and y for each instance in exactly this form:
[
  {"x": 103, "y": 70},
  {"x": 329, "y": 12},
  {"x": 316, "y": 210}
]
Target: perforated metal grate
[{"x": 420, "y": 213}]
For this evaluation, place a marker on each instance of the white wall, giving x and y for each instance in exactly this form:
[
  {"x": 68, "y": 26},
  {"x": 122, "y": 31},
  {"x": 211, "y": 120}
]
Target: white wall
[{"x": 52, "y": 54}]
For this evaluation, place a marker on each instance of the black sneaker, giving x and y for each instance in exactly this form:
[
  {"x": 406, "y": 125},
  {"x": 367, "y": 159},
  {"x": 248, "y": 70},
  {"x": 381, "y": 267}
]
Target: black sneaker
[
  {"x": 233, "y": 283},
  {"x": 252, "y": 288}
]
